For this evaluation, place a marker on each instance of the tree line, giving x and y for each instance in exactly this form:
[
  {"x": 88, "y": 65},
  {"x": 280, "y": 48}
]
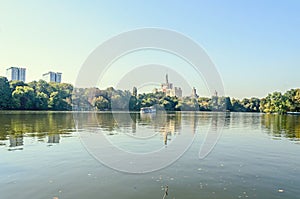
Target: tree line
[
  {"x": 36, "y": 95},
  {"x": 41, "y": 95}
]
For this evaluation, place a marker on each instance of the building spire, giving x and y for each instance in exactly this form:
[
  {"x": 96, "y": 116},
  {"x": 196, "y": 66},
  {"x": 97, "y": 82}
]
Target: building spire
[
  {"x": 167, "y": 80},
  {"x": 216, "y": 93}
]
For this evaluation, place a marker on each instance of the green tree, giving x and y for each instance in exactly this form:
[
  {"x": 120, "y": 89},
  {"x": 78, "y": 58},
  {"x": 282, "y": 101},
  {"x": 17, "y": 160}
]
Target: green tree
[
  {"x": 254, "y": 104},
  {"x": 101, "y": 103},
  {"x": 274, "y": 103},
  {"x": 168, "y": 103},
  {"x": 237, "y": 105},
  {"x": 41, "y": 101},
  {"x": 57, "y": 102},
  {"x": 187, "y": 104},
  {"x": 80, "y": 100},
  {"x": 204, "y": 103},
  {"x": 224, "y": 104},
  {"x": 43, "y": 87},
  {"x": 293, "y": 100},
  {"x": 5, "y": 94},
  {"x": 134, "y": 104},
  {"x": 13, "y": 84},
  {"x": 23, "y": 98}
]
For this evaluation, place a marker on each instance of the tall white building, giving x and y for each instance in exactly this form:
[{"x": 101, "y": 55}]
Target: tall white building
[
  {"x": 169, "y": 89},
  {"x": 16, "y": 73},
  {"x": 52, "y": 77}
]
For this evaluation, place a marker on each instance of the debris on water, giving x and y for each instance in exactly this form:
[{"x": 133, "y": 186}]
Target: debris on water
[
  {"x": 166, "y": 191},
  {"x": 245, "y": 193},
  {"x": 55, "y": 197},
  {"x": 199, "y": 169},
  {"x": 280, "y": 190}
]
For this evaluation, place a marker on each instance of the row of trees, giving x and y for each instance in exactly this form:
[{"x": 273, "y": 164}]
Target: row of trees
[
  {"x": 40, "y": 95},
  {"x": 281, "y": 103},
  {"x": 17, "y": 95},
  {"x": 111, "y": 99}
]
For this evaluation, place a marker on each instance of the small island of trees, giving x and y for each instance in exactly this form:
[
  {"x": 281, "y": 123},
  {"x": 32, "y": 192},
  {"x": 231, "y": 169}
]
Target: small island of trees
[{"x": 41, "y": 95}]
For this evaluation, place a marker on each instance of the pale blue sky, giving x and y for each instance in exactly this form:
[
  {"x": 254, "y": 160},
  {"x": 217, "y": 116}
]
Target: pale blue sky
[{"x": 255, "y": 45}]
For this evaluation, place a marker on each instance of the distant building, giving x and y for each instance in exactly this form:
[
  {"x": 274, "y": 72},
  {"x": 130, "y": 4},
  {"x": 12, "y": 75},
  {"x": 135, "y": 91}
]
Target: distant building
[
  {"x": 52, "y": 77},
  {"x": 16, "y": 73},
  {"x": 134, "y": 91},
  {"x": 194, "y": 93},
  {"x": 169, "y": 90},
  {"x": 176, "y": 91},
  {"x": 166, "y": 86},
  {"x": 216, "y": 93}
]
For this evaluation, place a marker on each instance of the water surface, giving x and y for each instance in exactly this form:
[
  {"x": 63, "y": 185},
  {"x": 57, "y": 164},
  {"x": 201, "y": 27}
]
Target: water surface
[{"x": 257, "y": 156}]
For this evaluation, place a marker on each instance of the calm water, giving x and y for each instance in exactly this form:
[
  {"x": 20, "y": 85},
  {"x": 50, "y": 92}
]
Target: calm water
[{"x": 257, "y": 156}]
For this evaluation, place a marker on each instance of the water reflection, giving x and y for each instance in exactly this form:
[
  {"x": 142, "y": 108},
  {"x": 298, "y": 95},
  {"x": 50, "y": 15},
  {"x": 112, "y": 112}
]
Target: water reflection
[
  {"x": 133, "y": 124},
  {"x": 282, "y": 125},
  {"x": 15, "y": 125},
  {"x": 51, "y": 127},
  {"x": 15, "y": 141},
  {"x": 53, "y": 138}
]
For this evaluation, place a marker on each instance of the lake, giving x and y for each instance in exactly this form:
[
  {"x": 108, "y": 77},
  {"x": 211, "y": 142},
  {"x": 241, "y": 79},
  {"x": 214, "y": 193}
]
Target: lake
[{"x": 69, "y": 155}]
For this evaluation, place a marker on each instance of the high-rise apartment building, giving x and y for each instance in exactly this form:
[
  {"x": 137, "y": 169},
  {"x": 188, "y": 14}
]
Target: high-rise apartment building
[
  {"x": 16, "y": 73},
  {"x": 52, "y": 77}
]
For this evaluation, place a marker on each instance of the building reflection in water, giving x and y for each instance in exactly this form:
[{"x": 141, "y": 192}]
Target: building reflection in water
[
  {"x": 49, "y": 127},
  {"x": 19, "y": 125},
  {"x": 168, "y": 130},
  {"x": 53, "y": 138},
  {"x": 134, "y": 123},
  {"x": 168, "y": 125},
  {"x": 15, "y": 141}
]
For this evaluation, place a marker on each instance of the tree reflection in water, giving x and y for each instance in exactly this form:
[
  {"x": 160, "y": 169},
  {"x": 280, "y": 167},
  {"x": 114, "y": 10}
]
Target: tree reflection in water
[
  {"x": 50, "y": 127},
  {"x": 43, "y": 126},
  {"x": 282, "y": 125}
]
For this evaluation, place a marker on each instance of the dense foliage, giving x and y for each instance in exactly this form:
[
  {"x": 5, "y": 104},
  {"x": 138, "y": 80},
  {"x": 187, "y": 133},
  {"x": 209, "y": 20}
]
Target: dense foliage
[
  {"x": 40, "y": 95},
  {"x": 281, "y": 103},
  {"x": 17, "y": 95}
]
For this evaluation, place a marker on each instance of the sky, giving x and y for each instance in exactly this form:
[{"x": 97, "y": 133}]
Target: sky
[{"x": 254, "y": 45}]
